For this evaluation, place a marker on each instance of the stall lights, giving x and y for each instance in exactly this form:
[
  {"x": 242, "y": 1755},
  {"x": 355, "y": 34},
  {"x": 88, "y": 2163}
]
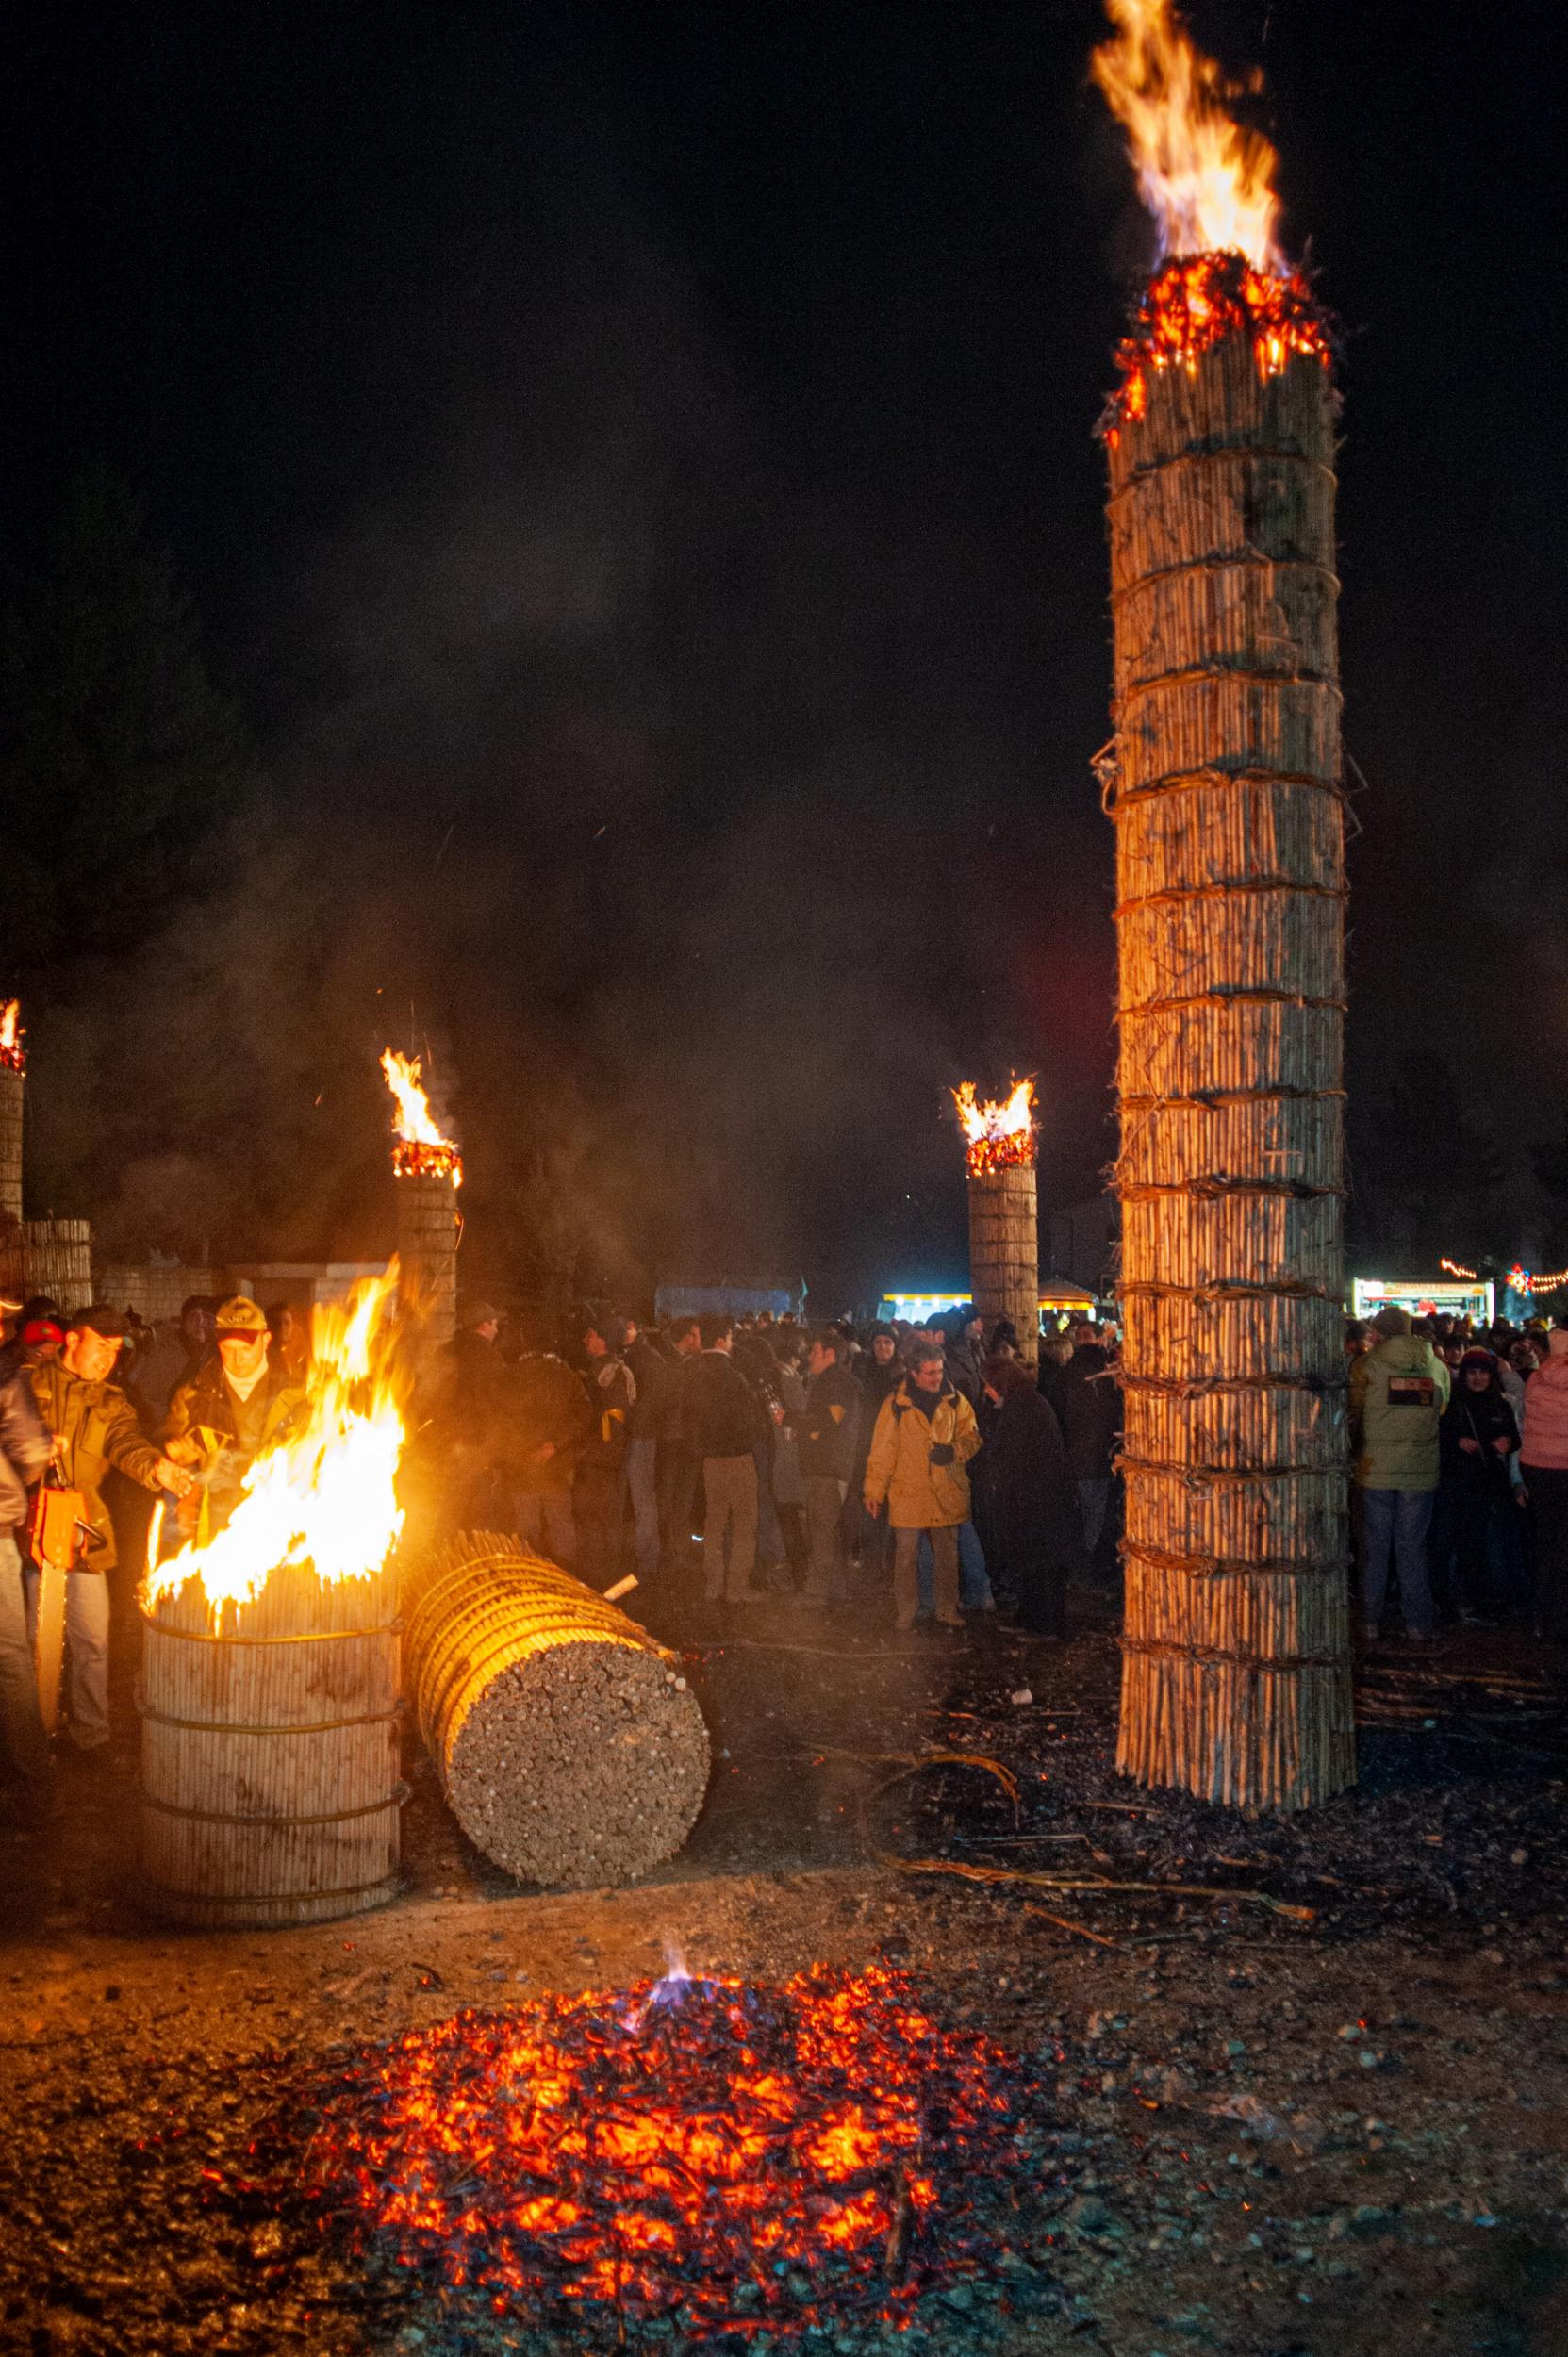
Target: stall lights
[
  {"x": 1454, "y": 1270},
  {"x": 1524, "y": 1280}
]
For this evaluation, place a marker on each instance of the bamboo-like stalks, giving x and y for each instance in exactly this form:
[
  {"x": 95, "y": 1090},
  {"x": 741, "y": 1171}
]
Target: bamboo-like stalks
[
  {"x": 1229, "y": 918},
  {"x": 1004, "y": 1251},
  {"x": 427, "y": 1252},
  {"x": 270, "y": 1751},
  {"x": 57, "y": 1259}
]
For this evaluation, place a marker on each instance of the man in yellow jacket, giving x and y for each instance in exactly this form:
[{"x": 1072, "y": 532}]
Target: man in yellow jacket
[{"x": 925, "y": 1436}]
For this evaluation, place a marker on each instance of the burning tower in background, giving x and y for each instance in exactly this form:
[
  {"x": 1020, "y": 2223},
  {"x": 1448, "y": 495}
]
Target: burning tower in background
[
  {"x": 1223, "y": 785},
  {"x": 428, "y": 1171},
  {"x": 1005, "y": 1223}
]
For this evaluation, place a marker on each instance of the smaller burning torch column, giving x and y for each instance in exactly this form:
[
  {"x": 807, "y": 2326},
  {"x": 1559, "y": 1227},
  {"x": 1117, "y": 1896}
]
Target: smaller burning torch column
[
  {"x": 13, "y": 1070},
  {"x": 1004, "y": 1227},
  {"x": 427, "y": 1170}
]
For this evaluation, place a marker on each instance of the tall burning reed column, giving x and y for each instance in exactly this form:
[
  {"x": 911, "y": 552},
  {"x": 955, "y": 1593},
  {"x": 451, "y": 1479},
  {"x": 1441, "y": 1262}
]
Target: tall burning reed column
[
  {"x": 1224, "y": 791},
  {"x": 13, "y": 1089},
  {"x": 428, "y": 1171},
  {"x": 1004, "y": 1219}
]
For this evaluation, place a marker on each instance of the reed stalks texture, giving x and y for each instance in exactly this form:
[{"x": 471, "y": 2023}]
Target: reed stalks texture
[
  {"x": 1004, "y": 1251},
  {"x": 427, "y": 1254},
  {"x": 271, "y": 1791},
  {"x": 1226, "y": 796}
]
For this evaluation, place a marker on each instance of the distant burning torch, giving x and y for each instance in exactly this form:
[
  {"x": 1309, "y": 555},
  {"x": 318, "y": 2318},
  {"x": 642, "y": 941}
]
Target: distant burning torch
[
  {"x": 13, "y": 1067},
  {"x": 428, "y": 1170},
  {"x": 1004, "y": 1232}
]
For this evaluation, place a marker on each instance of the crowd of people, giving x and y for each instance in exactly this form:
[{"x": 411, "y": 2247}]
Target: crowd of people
[
  {"x": 918, "y": 1479},
  {"x": 917, "y": 1470},
  {"x": 1459, "y": 1442}
]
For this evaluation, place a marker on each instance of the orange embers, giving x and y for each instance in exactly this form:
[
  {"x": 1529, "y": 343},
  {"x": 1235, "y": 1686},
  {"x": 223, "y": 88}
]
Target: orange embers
[
  {"x": 1000, "y": 1136},
  {"x": 702, "y": 2152},
  {"x": 1192, "y": 305},
  {"x": 422, "y": 1151},
  {"x": 12, "y": 1053}
]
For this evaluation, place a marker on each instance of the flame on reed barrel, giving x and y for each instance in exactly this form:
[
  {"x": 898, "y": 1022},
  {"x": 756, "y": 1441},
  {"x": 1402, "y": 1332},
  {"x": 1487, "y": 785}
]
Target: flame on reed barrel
[{"x": 1223, "y": 783}]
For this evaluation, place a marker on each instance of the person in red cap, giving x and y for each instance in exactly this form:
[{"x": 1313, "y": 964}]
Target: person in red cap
[{"x": 238, "y": 1405}]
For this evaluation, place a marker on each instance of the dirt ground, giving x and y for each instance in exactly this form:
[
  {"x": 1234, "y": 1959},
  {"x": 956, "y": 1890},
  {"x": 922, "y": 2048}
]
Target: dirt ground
[{"x": 1342, "y": 2131}]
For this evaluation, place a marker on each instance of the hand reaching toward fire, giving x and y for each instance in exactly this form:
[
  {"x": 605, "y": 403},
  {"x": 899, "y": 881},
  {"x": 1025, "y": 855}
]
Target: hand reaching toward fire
[{"x": 168, "y": 1475}]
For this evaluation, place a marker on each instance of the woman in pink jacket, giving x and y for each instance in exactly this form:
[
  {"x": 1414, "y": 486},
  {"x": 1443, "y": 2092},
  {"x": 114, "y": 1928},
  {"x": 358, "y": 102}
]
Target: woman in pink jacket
[{"x": 1543, "y": 1463}]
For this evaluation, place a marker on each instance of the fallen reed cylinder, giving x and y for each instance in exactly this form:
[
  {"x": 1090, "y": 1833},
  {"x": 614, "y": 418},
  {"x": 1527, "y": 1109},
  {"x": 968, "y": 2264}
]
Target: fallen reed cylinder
[
  {"x": 270, "y": 1752},
  {"x": 567, "y": 1743}
]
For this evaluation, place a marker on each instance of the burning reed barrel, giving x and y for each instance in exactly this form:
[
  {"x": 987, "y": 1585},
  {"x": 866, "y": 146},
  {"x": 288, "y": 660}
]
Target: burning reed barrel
[
  {"x": 1226, "y": 792},
  {"x": 1004, "y": 1252},
  {"x": 568, "y": 1746},
  {"x": 271, "y": 1787}
]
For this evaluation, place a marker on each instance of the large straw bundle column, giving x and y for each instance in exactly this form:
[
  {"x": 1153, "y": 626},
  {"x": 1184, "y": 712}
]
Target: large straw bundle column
[
  {"x": 1004, "y": 1251},
  {"x": 1226, "y": 802},
  {"x": 427, "y": 1250}
]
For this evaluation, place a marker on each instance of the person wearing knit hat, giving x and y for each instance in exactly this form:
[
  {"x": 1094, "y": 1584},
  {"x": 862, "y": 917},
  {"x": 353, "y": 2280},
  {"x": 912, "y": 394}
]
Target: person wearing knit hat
[
  {"x": 1475, "y": 1528},
  {"x": 1543, "y": 1468},
  {"x": 1398, "y": 1390}
]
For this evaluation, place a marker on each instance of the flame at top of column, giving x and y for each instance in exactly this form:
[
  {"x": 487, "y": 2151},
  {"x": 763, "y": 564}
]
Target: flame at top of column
[{"x": 1206, "y": 178}]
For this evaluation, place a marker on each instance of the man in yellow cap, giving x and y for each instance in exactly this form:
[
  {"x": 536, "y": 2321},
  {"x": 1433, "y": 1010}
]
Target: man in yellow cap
[{"x": 232, "y": 1410}]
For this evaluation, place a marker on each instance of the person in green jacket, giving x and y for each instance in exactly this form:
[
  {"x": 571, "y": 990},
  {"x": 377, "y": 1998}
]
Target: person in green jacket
[{"x": 1398, "y": 1392}]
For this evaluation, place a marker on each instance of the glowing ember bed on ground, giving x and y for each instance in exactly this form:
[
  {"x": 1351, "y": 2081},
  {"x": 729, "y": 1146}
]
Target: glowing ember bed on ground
[{"x": 703, "y": 2156}]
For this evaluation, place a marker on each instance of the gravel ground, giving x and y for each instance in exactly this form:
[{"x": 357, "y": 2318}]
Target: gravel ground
[{"x": 1338, "y": 2128}]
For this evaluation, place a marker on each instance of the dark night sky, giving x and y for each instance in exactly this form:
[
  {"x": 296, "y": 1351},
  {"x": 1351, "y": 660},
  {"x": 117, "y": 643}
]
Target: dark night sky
[{"x": 635, "y": 465}]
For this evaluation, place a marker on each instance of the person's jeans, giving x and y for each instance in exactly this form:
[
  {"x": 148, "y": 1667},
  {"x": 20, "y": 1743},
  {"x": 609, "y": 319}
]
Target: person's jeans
[
  {"x": 944, "y": 1544},
  {"x": 1396, "y": 1523},
  {"x": 22, "y": 1734},
  {"x": 728, "y": 1526},
  {"x": 974, "y": 1580},
  {"x": 1093, "y": 1497},
  {"x": 87, "y": 1640},
  {"x": 825, "y": 1525},
  {"x": 1548, "y": 1490},
  {"x": 642, "y": 1483},
  {"x": 545, "y": 1523}
]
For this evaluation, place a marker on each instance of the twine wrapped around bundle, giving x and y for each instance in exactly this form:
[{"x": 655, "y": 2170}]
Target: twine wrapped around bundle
[
  {"x": 1230, "y": 886},
  {"x": 568, "y": 1745},
  {"x": 271, "y": 1791}
]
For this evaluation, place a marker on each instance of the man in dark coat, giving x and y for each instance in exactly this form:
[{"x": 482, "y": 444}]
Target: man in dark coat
[
  {"x": 547, "y": 1429},
  {"x": 612, "y": 1393},
  {"x": 1091, "y": 1425},
  {"x": 878, "y": 1373},
  {"x": 1036, "y": 1497},
  {"x": 829, "y": 1440},
  {"x": 725, "y": 1424},
  {"x": 647, "y": 1428}
]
